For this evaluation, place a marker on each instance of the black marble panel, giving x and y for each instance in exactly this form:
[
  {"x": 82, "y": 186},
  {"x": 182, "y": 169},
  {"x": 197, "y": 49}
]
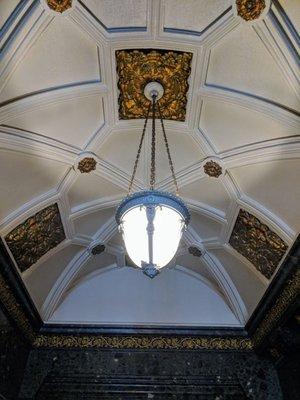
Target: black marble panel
[{"x": 139, "y": 374}]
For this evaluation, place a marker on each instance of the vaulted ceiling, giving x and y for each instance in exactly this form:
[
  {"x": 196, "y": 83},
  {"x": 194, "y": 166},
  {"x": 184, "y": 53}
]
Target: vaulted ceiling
[{"x": 67, "y": 153}]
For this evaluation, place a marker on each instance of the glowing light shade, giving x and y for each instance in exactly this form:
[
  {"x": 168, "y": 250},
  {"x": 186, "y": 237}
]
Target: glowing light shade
[{"x": 151, "y": 223}]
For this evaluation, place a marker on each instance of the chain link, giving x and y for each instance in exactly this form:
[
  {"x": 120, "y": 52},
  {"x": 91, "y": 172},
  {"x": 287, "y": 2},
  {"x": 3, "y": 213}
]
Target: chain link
[
  {"x": 168, "y": 150},
  {"x": 139, "y": 150},
  {"x": 152, "y": 171}
]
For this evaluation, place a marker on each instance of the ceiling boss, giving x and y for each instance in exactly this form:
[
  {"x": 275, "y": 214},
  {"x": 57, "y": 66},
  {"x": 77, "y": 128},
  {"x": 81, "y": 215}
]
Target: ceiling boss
[{"x": 151, "y": 221}]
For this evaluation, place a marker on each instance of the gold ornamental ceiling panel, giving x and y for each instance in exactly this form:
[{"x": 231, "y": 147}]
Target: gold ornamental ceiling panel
[
  {"x": 136, "y": 68},
  {"x": 37, "y": 235},
  {"x": 255, "y": 241}
]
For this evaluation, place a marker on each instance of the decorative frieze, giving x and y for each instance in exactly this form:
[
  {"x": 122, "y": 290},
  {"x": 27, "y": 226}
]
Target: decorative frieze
[
  {"x": 258, "y": 243},
  {"x": 29, "y": 241}
]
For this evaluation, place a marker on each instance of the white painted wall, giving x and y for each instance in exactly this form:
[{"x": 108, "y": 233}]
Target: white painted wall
[{"x": 127, "y": 296}]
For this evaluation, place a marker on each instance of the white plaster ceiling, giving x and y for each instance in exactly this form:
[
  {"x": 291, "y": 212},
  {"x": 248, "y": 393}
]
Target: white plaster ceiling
[{"x": 58, "y": 103}]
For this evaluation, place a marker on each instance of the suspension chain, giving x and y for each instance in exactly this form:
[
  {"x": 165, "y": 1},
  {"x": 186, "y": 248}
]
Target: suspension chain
[
  {"x": 139, "y": 150},
  {"x": 168, "y": 150},
  {"x": 152, "y": 171}
]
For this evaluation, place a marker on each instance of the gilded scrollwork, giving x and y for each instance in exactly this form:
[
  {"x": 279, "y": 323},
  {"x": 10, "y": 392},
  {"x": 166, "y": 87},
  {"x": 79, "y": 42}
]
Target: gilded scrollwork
[
  {"x": 250, "y": 10},
  {"x": 137, "y": 342},
  {"x": 59, "y": 5},
  {"x": 212, "y": 169},
  {"x": 288, "y": 296},
  {"x": 8, "y": 300},
  {"x": 255, "y": 241},
  {"x": 136, "y": 68},
  {"x": 38, "y": 234},
  {"x": 87, "y": 165}
]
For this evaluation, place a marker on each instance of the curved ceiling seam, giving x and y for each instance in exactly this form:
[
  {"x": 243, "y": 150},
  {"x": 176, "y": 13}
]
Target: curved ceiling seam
[
  {"x": 46, "y": 97},
  {"x": 234, "y": 298},
  {"x": 25, "y": 142},
  {"x": 276, "y": 111}
]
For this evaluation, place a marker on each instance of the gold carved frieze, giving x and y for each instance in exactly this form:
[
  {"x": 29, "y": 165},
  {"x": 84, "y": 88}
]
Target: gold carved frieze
[
  {"x": 59, "y": 5},
  {"x": 288, "y": 296},
  {"x": 250, "y": 10},
  {"x": 258, "y": 243},
  {"x": 143, "y": 342},
  {"x": 14, "y": 309},
  {"x": 136, "y": 68},
  {"x": 33, "y": 238}
]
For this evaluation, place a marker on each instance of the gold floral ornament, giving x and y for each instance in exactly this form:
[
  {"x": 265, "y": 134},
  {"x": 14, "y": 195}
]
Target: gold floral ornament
[
  {"x": 136, "y": 68},
  {"x": 37, "y": 235},
  {"x": 250, "y": 9},
  {"x": 59, "y": 5},
  {"x": 87, "y": 165},
  {"x": 212, "y": 169},
  {"x": 255, "y": 241}
]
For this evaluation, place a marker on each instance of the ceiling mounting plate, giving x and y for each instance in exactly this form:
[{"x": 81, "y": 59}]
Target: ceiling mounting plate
[{"x": 154, "y": 88}]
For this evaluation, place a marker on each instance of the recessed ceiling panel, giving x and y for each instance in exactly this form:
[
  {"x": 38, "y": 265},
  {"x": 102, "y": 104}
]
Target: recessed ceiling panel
[
  {"x": 24, "y": 177},
  {"x": 130, "y": 14},
  {"x": 89, "y": 187},
  {"x": 89, "y": 224},
  {"x": 250, "y": 287},
  {"x": 215, "y": 116},
  {"x": 209, "y": 191},
  {"x": 206, "y": 227},
  {"x": 41, "y": 279},
  {"x": 62, "y": 55},
  {"x": 236, "y": 62},
  {"x": 192, "y": 16},
  {"x": 275, "y": 185},
  {"x": 73, "y": 122}
]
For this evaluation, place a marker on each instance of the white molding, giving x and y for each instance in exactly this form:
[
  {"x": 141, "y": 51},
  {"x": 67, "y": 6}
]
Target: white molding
[
  {"x": 252, "y": 103},
  {"x": 45, "y": 98},
  {"x": 18, "y": 140}
]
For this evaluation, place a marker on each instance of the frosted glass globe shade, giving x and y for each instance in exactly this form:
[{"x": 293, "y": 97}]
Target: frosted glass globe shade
[{"x": 151, "y": 223}]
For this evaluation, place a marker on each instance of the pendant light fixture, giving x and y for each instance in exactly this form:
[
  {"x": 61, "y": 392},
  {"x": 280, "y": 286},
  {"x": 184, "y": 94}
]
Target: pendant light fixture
[{"x": 151, "y": 221}]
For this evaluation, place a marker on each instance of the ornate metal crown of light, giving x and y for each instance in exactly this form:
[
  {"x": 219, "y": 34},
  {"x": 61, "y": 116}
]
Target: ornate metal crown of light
[{"x": 151, "y": 221}]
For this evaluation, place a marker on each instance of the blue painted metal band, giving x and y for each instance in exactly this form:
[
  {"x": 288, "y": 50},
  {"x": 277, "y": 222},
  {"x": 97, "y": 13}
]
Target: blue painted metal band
[{"x": 154, "y": 197}]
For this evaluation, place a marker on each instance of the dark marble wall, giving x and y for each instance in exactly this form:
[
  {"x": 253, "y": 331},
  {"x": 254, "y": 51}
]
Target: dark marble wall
[
  {"x": 285, "y": 349},
  {"x": 139, "y": 374},
  {"x": 13, "y": 356}
]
